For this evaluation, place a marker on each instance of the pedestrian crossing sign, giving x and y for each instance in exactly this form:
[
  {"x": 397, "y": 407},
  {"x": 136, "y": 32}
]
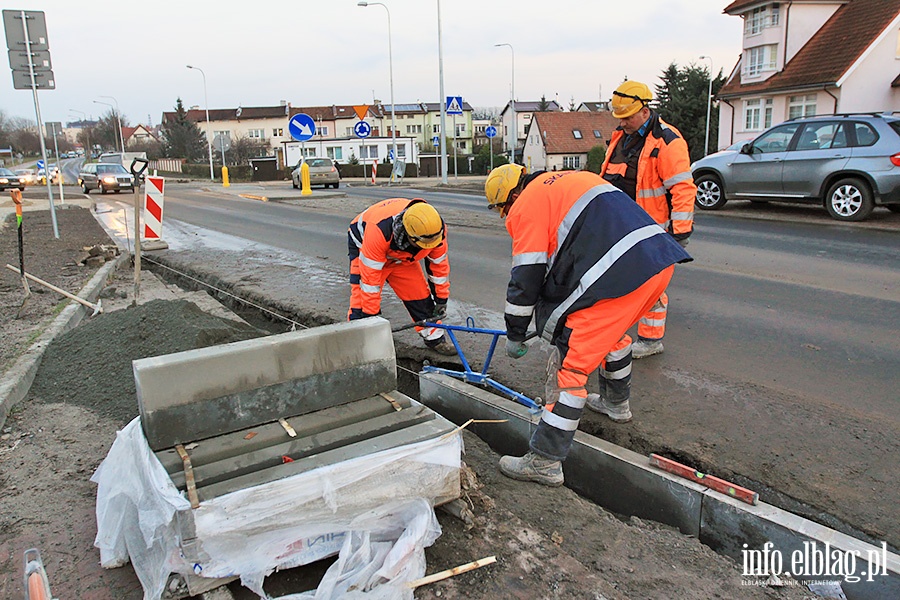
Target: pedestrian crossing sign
[{"x": 454, "y": 105}]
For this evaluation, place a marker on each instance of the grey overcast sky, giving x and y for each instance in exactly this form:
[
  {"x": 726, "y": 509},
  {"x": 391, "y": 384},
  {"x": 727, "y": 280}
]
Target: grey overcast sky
[{"x": 326, "y": 52}]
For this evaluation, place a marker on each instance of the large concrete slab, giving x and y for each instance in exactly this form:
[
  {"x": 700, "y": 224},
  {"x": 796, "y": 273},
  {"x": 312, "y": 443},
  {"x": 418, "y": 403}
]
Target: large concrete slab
[
  {"x": 614, "y": 477},
  {"x": 624, "y": 482},
  {"x": 733, "y": 528},
  {"x": 203, "y": 393}
]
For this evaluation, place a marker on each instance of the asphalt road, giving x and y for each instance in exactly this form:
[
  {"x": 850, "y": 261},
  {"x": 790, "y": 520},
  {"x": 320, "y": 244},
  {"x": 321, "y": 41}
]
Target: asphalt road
[{"x": 804, "y": 307}]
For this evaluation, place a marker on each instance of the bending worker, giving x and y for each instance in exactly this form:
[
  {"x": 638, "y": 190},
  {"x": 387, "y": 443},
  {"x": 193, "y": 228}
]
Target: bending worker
[
  {"x": 587, "y": 262},
  {"x": 648, "y": 159},
  {"x": 386, "y": 242}
]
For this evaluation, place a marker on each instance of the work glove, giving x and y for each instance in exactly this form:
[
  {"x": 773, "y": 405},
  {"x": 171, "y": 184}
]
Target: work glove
[
  {"x": 682, "y": 239},
  {"x": 440, "y": 309},
  {"x": 516, "y": 349}
]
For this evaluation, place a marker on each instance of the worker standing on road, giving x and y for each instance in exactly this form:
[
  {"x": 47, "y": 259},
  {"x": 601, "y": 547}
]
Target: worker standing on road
[
  {"x": 648, "y": 159},
  {"x": 386, "y": 243},
  {"x": 587, "y": 263}
]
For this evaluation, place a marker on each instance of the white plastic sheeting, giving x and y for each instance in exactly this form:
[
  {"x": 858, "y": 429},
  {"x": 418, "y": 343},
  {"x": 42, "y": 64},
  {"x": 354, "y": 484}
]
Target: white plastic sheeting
[{"x": 377, "y": 509}]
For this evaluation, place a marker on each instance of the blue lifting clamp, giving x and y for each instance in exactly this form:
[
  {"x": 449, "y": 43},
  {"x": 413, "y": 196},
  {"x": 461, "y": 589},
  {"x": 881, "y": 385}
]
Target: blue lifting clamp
[{"x": 473, "y": 376}]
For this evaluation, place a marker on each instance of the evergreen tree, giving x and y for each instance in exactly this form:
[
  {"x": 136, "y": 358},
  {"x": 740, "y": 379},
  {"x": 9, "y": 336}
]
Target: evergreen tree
[
  {"x": 595, "y": 158},
  {"x": 681, "y": 101},
  {"x": 543, "y": 105},
  {"x": 182, "y": 137}
]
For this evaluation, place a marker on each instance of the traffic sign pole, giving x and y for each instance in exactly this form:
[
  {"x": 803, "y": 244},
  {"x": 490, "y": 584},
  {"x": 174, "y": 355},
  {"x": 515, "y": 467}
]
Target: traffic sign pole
[{"x": 37, "y": 106}]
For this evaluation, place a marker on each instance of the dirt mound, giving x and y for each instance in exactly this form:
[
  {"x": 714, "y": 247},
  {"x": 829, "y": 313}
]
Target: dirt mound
[{"x": 90, "y": 366}]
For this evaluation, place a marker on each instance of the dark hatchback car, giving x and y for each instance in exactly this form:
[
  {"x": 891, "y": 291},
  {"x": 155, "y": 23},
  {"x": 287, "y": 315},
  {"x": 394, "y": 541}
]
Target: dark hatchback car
[
  {"x": 106, "y": 177},
  {"x": 849, "y": 163},
  {"x": 8, "y": 179}
]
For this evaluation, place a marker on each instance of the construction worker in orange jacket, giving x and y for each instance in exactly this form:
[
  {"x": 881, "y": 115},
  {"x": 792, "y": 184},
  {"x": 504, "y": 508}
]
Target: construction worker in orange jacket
[
  {"x": 386, "y": 242},
  {"x": 648, "y": 159},
  {"x": 587, "y": 263}
]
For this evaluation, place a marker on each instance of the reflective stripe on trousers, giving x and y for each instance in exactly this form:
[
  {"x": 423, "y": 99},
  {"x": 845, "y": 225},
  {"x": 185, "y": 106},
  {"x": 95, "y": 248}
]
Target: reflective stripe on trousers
[
  {"x": 592, "y": 336},
  {"x": 652, "y": 325}
]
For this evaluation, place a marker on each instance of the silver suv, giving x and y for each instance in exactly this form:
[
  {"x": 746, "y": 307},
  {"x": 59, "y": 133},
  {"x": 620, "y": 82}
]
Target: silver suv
[{"x": 850, "y": 163}]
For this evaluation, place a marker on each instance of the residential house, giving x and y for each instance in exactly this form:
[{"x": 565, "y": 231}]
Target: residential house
[
  {"x": 602, "y": 106},
  {"x": 809, "y": 57},
  {"x": 523, "y": 112},
  {"x": 267, "y": 125},
  {"x": 558, "y": 141},
  {"x": 136, "y": 136}
]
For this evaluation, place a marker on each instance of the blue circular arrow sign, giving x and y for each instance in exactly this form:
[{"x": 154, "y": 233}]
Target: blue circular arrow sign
[
  {"x": 490, "y": 131},
  {"x": 302, "y": 127},
  {"x": 362, "y": 129}
]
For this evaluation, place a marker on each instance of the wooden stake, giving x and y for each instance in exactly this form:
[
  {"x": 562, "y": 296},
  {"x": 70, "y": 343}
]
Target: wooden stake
[
  {"x": 96, "y": 307},
  {"x": 475, "y": 564}
]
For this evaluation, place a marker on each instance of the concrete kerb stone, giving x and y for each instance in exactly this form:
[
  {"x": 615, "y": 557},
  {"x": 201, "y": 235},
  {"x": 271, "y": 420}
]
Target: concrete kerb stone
[
  {"x": 624, "y": 482},
  {"x": 18, "y": 379}
]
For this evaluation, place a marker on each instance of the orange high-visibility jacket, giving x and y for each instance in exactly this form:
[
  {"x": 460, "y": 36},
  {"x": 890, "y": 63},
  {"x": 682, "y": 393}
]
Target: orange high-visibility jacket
[
  {"x": 577, "y": 239},
  {"x": 373, "y": 233},
  {"x": 665, "y": 186}
]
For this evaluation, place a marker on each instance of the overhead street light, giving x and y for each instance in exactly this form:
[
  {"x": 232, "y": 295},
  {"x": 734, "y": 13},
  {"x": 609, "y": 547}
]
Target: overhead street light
[
  {"x": 212, "y": 175},
  {"x": 514, "y": 137},
  {"x": 708, "y": 105},
  {"x": 391, "y": 70},
  {"x": 119, "y": 121}
]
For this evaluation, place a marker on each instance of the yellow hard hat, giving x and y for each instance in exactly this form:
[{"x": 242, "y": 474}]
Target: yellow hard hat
[
  {"x": 629, "y": 98},
  {"x": 500, "y": 182},
  {"x": 423, "y": 225}
]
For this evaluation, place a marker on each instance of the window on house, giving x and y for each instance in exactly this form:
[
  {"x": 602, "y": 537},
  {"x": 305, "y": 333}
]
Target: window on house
[
  {"x": 224, "y": 133},
  {"x": 322, "y": 130},
  {"x": 401, "y": 151},
  {"x": 752, "y": 115},
  {"x": 761, "y": 18},
  {"x": 256, "y": 134},
  {"x": 368, "y": 151},
  {"x": 308, "y": 152},
  {"x": 801, "y": 106},
  {"x": 760, "y": 58},
  {"x": 597, "y": 134},
  {"x": 767, "y": 113},
  {"x": 460, "y": 129},
  {"x": 461, "y": 145},
  {"x": 348, "y": 132},
  {"x": 576, "y": 133},
  {"x": 436, "y": 128},
  {"x": 277, "y": 132},
  {"x": 335, "y": 153},
  {"x": 413, "y": 129},
  {"x": 571, "y": 162}
]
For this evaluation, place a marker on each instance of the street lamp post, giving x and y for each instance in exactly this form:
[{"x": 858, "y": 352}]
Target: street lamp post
[
  {"x": 442, "y": 98},
  {"x": 391, "y": 70},
  {"x": 512, "y": 105},
  {"x": 708, "y": 104},
  {"x": 119, "y": 121},
  {"x": 212, "y": 176}
]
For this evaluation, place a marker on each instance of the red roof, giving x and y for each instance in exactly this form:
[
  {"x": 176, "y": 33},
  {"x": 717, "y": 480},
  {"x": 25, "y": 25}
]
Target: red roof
[
  {"x": 558, "y": 130},
  {"x": 831, "y": 51},
  {"x": 739, "y": 6}
]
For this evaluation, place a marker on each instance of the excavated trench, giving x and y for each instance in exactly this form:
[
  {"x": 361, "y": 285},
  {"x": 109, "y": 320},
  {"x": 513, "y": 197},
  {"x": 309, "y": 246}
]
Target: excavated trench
[{"x": 259, "y": 312}]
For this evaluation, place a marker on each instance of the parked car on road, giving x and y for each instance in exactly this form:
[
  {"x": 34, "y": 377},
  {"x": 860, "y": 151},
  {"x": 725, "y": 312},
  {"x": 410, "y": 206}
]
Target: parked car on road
[
  {"x": 8, "y": 179},
  {"x": 27, "y": 175},
  {"x": 850, "y": 163},
  {"x": 106, "y": 177},
  {"x": 321, "y": 171}
]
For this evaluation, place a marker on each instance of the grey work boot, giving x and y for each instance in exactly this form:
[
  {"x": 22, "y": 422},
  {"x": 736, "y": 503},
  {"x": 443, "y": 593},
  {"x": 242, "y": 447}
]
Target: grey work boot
[
  {"x": 642, "y": 348},
  {"x": 620, "y": 413},
  {"x": 532, "y": 467},
  {"x": 443, "y": 345}
]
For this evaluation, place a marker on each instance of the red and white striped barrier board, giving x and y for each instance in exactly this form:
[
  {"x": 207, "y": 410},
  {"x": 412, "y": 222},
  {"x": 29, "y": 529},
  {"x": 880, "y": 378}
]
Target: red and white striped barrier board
[
  {"x": 374, "y": 169},
  {"x": 153, "y": 207}
]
